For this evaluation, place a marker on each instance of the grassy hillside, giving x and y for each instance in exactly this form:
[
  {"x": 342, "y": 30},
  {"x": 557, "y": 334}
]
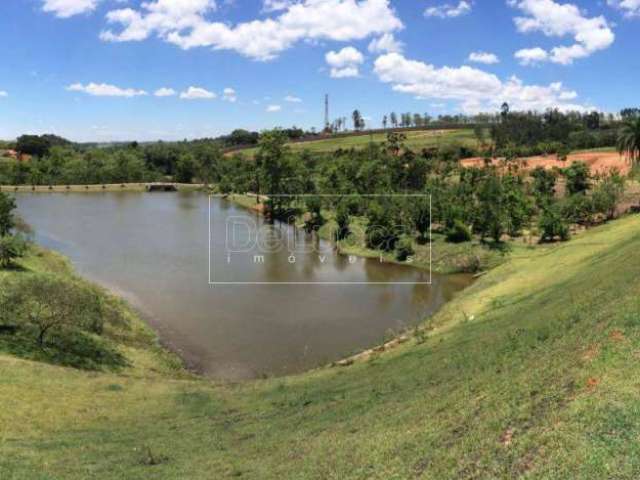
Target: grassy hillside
[
  {"x": 533, "y": 371},
  {"x": 416, "y": 140}
]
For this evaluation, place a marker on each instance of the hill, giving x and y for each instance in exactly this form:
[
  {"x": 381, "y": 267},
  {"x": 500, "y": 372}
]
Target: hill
[
  {"x": 416, "y": 140},
  {"x": 531, "y": 371}
]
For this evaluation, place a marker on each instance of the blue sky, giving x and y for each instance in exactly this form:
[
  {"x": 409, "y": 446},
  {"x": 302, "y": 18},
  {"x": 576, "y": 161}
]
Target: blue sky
[{"x": 91, "y": 69}]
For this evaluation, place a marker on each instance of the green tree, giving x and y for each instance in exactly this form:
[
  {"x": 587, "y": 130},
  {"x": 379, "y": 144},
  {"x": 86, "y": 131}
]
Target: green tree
[
  {"x": 404, "y": 248},
  {"x": 342, "y": 219},
  {"x": 7, "y": 218},
  {"x": 544, "y": 184},
  {"x": 578, "y": 178},
  {"x": 186, "y": 168},
  {"x": 552, "y": 225},
  {"x": 358, "y": 121},
  {"x": 50, "y": 303},
  {"x": 11, "y": 248},
  {"x": 381, "y": 232},
  {"x": 629, "y": 139},
  {"x": 420, "y": 215}
]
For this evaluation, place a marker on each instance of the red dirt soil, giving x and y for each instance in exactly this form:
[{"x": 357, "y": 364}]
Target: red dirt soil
[{"x": 598, "y": 162}]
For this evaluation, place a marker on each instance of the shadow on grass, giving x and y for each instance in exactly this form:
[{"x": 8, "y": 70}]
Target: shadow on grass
[{"x": 69, "y": 348}]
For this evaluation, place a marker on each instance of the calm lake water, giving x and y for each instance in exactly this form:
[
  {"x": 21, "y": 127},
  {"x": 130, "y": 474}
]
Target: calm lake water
[{"x": 154, "y": 250}]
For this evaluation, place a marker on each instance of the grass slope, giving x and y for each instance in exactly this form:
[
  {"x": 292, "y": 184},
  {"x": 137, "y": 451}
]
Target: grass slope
[
  {"x": 416, "y": 140},
  {"x": 533, "y": 371}
]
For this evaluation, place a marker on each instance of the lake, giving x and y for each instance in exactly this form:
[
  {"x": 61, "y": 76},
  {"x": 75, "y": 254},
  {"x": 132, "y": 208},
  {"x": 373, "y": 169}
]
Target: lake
[{"x": 205, "y": 273}]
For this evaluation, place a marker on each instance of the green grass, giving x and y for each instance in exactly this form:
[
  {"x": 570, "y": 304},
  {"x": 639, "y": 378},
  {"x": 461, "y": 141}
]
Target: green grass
[
  {"x": 416, "y": 140},
  {"x": 532, "y": 371}
]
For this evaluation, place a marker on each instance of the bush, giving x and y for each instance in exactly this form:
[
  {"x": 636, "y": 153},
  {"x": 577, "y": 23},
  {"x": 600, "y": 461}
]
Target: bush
[
  {"x": 577, "y": 209},
  {"x": 404, "y": 249},
  {"x": 11, "y": 248},
  {"x": 458, "y": 233},
  {"x": 553, "y": 226}
]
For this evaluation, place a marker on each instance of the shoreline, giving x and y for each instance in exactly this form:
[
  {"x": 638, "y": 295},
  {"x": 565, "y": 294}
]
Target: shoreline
[{"x": 94, "y": 188}]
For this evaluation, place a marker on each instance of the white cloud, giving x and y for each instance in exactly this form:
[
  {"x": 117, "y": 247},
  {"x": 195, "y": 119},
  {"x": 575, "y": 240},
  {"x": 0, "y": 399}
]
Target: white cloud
[
  {"x": 344, "y": 63},
  {"x": 448, "y": 10},
  {"x": 276, "y": 5},
  {"x": 386, "y": 44},
  {"x": 165, "y": 92},
  {"x": 68, "y": 8},
  {"x": 292, "y": 99},
  {"x": 474, "y": 89},
  {"x": 197, "y": 93},
  {"x": 184, "y": 23},
  {"x": 531, "y": 56},
  {"x": 484, "y": 57},
  {"x": 105, "y": 90},
  {"x": 630, "y": 8},
  {"x": 559, "y": 20},
  {"x": 274, "y": 108},
  {"x": 229, "y": 94},
  {"x": 3, "y": 93}
]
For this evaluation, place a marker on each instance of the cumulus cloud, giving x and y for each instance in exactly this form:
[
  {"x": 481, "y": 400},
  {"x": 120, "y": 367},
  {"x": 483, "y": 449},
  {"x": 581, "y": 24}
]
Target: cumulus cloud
[
  {"x": 560, "y": 20},
  {"x": 3, "y": 94},
  {"x": 274, "y": 108},
  {"x": 344, "y": 63},
  {"x": 68, "y": 8},
  {"x": 292, "y": 99},
  {"x": 165, "y": 92},
  {"x": 229, "y": 95},
  {"x": 197, "y": 93},
  {"x": 184, "y": 23},
  {"x": 386, "y": 44},
  {"x": 531, "y": 56},
  {"x": 630, "y": 8},
  {"x": 276, "y": 5},
  {"x": 474, "y": 89},
  {"x": 448, "y": 10},
  {"x": 484, "y": 57},
  {"x": 105, "y": 90}
]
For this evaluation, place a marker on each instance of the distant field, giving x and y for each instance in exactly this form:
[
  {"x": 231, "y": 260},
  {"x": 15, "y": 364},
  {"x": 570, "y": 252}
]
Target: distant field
[{"x": 416, "y": 140}]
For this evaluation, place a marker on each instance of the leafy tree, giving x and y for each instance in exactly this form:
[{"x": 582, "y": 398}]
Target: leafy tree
[
  {"x": 381, "y": 232},
  {"x": 11, "y": 248},
  {"x": 208, "y": 158},
  {"x": 394, "y": 119},
  {"x": 607, "y": 194},
  {"x": 552, "y": 225},
  {"x": 186, "y": 168},
  {"x": 48, "y": 303},
  {"x": 458, "y": 233},
  {"x": 314, "y": 216},
  {"x": 578, "y": 178},
  {"x": 629, "y": 139},
  {"x": 358, "y": 121},
  {"x": 342, "y": 219},
  {"x": 7, "y": 218},
  {"x": 404, "y": 248},
  {"x": 544, "y": 183},
  {"x": 478, "y": 132},
  {"x": 420, "y": 215},
  {"x": 490, "y": 217}
]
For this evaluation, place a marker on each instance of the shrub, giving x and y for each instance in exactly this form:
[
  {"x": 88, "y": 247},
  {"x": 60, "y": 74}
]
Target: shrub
[
  {"x": 404, "y": 248},
  {"x": 49, "y": 304},
  {"x": 11, "y": 247},
  {"x": 577, "y": 209},
  {"x": 553, "y": 226},
  {"x": 458, "y": 233}
]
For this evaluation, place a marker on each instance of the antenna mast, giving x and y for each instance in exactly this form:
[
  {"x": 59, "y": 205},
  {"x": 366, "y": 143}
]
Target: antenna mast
[{"x": 326, "y": 112}]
